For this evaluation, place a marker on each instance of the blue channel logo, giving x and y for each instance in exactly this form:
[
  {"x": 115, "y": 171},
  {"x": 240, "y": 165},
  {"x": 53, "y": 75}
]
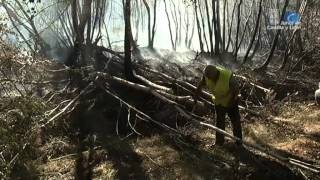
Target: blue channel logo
[{"x": 292, "y": 18}]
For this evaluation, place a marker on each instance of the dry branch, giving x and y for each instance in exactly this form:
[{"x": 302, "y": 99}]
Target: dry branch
[
  {"x": 59, "y": 114},
  {"x": 100, "y": 85},
  {"x": 265, "y": 90},
  {"x": 151, "y": 84},
  {"x": 167, "y": 97}
]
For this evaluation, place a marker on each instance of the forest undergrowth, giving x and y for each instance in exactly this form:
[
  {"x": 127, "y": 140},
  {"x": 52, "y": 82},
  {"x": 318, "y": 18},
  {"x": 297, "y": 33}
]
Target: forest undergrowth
[{"x": 111, "y": 128}]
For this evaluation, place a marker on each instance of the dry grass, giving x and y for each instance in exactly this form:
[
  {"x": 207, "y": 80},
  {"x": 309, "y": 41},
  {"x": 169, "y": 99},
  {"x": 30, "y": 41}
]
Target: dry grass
[{"x": 296, "y": 130}]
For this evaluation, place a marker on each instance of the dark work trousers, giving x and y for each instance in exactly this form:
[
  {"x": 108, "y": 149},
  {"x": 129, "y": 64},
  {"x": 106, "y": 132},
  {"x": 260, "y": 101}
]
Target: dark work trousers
[{"x": 233, "y": 113}]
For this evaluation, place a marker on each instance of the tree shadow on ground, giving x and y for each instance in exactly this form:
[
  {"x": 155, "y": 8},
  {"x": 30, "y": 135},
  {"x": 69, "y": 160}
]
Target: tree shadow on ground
[
  {"x": 23, "y": 171},
  {"x": 229, "y": 162},
  {"x": 200, "y": 163},
  {"x": 261, "y": 167},
  {"x": 125, "y": 159},
  {"x": 314, "y": 136},
  {"x": 101, "y": 124}
]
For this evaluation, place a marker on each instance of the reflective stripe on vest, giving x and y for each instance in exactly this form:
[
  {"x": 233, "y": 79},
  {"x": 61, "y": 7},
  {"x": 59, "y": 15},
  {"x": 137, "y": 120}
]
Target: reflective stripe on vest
[{"x": 220, "y": 89}]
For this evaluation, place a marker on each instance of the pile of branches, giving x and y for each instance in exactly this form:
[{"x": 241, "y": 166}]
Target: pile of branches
[
  {"x": 158, "y": 96},
  {"x": 154, "y": 98}
]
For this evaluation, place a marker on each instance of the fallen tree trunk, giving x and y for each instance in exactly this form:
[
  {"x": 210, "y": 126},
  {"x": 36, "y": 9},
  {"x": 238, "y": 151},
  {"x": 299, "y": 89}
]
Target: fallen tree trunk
[
  {"x": 187, "y": 85},
  {"x": 254, "y": 84},
  {"x": 151, "y": 84},
  {"x": 169, "y": 98},
  {"x": 205, "y": 96}
]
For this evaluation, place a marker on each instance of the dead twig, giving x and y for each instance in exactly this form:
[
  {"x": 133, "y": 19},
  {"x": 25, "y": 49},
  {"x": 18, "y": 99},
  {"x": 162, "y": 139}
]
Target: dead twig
[
  {"x": 131, "y": 126},
  {"x": 135, "y": 109},
  {"x": 59, "y": 114},
  {"x": 13, "y": 160}
]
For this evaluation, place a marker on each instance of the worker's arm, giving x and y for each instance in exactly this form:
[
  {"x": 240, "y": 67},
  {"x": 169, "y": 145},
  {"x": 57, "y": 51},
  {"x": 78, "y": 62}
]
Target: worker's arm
[
  {"x": 199, "y": 89},
  {"x": 234, "y": 89}
]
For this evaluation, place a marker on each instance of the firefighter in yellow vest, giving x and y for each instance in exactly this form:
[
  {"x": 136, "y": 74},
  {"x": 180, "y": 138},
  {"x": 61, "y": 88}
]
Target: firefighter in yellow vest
[{"x": 225, "y": 89}]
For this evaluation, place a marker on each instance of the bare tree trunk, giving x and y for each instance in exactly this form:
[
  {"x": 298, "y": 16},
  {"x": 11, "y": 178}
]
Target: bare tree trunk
[
  {"x": 198, "y": 26},
  {"x": 100, "y": 8},
  {"x": 127, "y": 41},
  {"x": 154, "y": 23},
  {"x": 137, "y": 19},
  {"x": 192, "y": 33},
  {"x": 225, "y": 6},
  {"x": 231, "y": 25},
  {"x": 203, "y": 26},
  {"x": 78, "y": 56},
  {"x": 238, "y": 29},
  {"x": 176, "y": 23},
  {"x": 288, "y": 50},
  {"x": 257, "y": 45},
  {"x": 214, "y": 24},
  {"x": 74, "y": 15},
  {"x": 209, "y": 29},
  {"x": 246, "y": 25},
  {"x": 254, "y": 34},
  {"x": 169, "y": 24},
  {"x": 84, "y": 18},
  {"x": 88, "y": 39},
  {"x": 149, "y": 22},
  {"x": 187, "y": 24},
  {"x": 72, "y": 59},
  {"x": 299, "y": 41},
  {"x": 67, "y": 30},
  {"x": 275, "y": 40},
  {"x": 218, "y": 38},
  {"x": 180, "y": 26},
  {"x": 133, "y": 43}
]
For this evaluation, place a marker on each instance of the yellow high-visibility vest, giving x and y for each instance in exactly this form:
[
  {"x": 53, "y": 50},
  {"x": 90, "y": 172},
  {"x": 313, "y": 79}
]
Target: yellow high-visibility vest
[{"x": 220, "y": 89}]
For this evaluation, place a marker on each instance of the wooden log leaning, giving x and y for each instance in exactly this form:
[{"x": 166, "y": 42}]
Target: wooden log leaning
[
  {"x": 151, "y": 84},
  {"x": 204, "y": 95},
  {"x": 253, "y": 84},
  {"x": 135, "y": 109},
  {"x": 169, "y": 98}
]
